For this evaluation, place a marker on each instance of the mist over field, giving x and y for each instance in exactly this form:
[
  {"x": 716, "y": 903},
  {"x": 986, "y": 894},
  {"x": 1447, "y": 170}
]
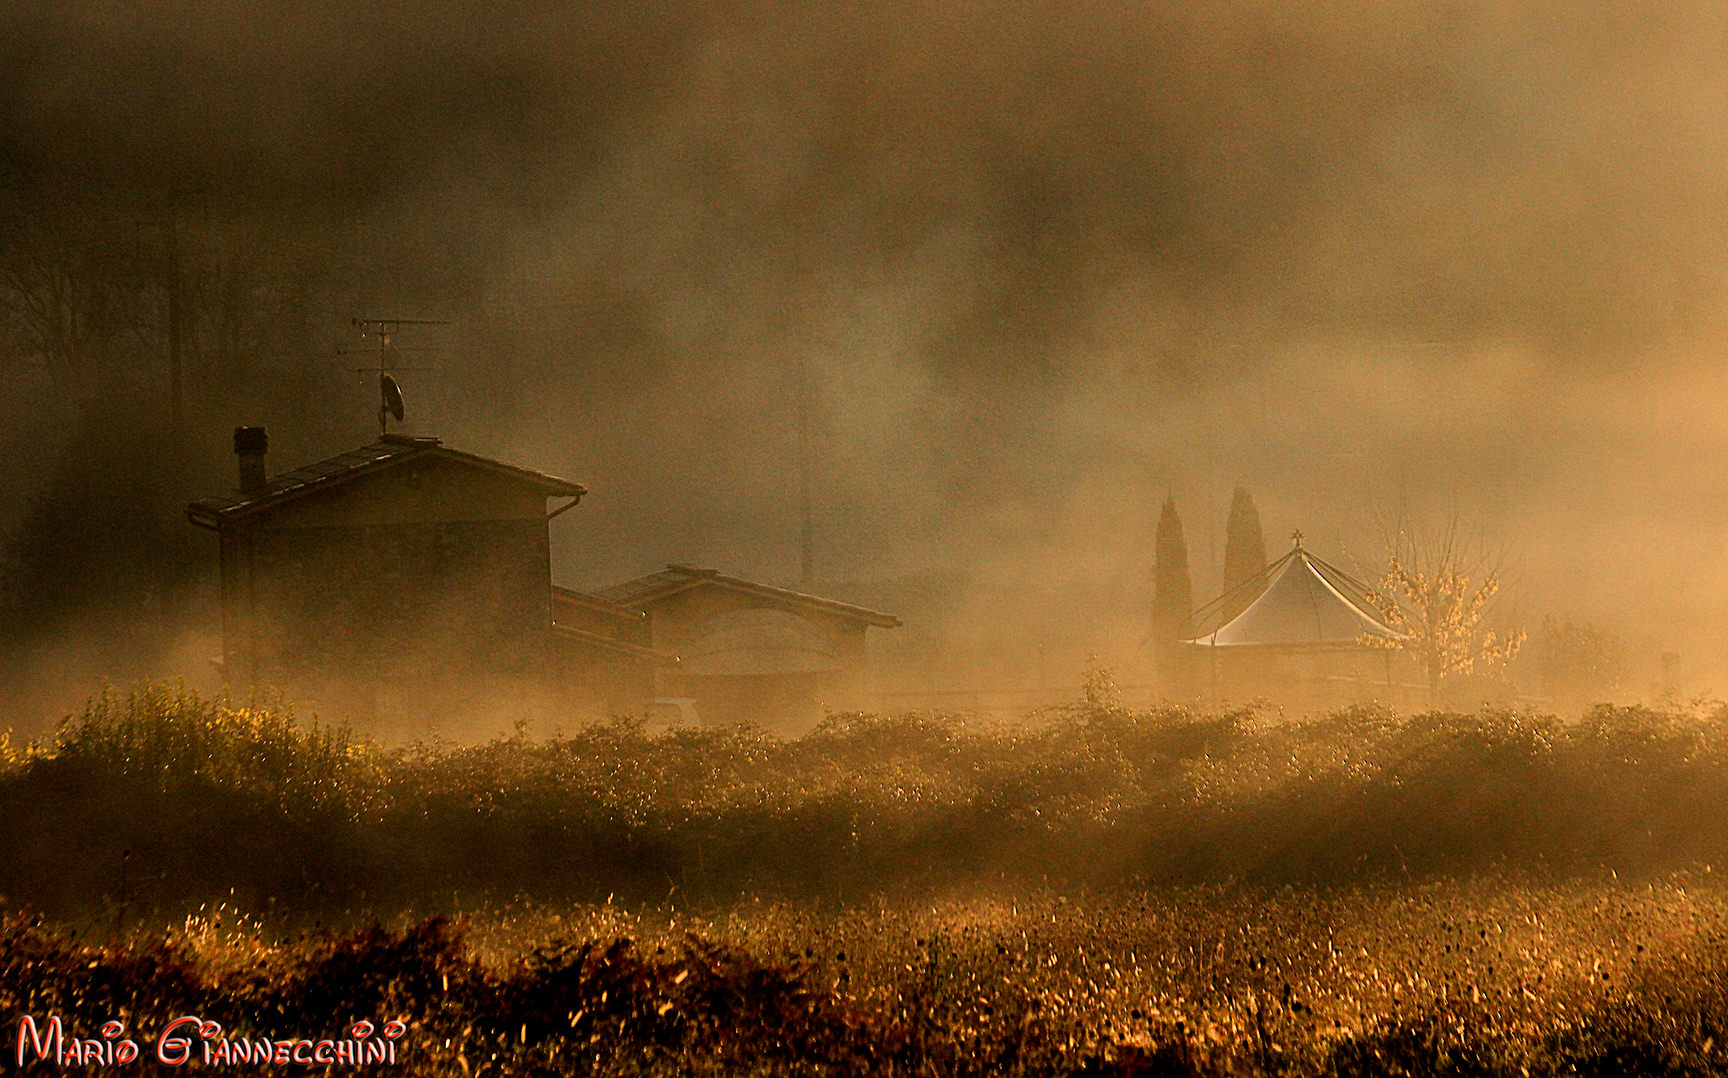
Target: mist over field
[
  {"x": 1038, "y": 264},
  {"x": 1009, "y": 288}
]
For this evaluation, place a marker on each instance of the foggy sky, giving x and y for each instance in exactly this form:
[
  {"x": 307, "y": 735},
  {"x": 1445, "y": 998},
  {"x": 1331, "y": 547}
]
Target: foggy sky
[{"x": 1040, "y": 263}]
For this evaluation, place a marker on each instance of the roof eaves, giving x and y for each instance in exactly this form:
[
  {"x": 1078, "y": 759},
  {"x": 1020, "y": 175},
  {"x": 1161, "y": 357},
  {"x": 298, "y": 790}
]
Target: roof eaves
[
  {"x": 679, "y": 577},
  {"x": 831, "y": 606},
  {"x": 302, "y": 481},
  {"x": 552, "y": 484},
  {"x": 606, "y": 643},
  {"x": 598, "y": 603},
  {"x": 343, "y": 467},
  {"x": 647, "y": 589}
]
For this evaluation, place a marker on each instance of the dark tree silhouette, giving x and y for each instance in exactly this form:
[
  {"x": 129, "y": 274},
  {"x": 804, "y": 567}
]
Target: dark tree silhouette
[
  {"x": 105, "y": 533},
  {"x": 1579, "y": 664},
  {"x": 1172, "y": 599},
  {"x": 1173, "y": 591},
  {"x": 1244, "y": 550}
]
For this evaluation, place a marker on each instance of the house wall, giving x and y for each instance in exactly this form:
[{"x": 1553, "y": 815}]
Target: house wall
[
  {"x": 672, "y": 618},
  {"x": 1306, "y": 681},
  {"x": 593, "y": 682},
  {"x": 789, "y": 702},
  {"x": 423, "y": 589},
  {"x": 630, "y": 629}
]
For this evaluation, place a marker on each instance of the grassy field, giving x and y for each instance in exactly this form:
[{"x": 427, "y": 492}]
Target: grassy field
[
  {"x": 1465, "y": 978},
  {"x": 1096, "y": 892}
]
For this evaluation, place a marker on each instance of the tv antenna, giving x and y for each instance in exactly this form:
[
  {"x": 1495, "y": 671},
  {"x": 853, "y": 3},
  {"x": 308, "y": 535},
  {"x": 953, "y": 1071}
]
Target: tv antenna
[{"x": 390, "y": 405}]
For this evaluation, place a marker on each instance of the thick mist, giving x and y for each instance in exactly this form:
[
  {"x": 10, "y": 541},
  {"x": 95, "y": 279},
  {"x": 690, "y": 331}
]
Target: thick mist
[{"x": 1023, "y": 269}]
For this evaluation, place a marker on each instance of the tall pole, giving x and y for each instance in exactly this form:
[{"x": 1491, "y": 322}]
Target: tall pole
[
  {"x": 807, "y": 529},
  {"x": 169, "y": 589},
  {"x": 383, "y": 394},
  {"x": 176, "y": 317}
]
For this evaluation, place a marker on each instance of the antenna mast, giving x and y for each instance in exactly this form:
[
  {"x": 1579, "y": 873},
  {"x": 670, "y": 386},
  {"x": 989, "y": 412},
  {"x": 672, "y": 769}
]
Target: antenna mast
[{"x": 390, "y": 404}]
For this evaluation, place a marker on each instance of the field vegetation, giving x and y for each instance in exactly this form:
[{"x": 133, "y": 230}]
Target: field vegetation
[
  {"x": 1486, "y": 978},
  {"x": 178, "y": 801},
  {"x": 1097, "y": 891}
]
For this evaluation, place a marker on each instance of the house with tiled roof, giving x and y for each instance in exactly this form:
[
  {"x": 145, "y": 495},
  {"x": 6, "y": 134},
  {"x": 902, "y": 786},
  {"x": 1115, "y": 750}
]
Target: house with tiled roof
[
  {"x": 402, "y": 580},
  {"x": 408, "y": 582},
  {"x": 747, "y": 651}
]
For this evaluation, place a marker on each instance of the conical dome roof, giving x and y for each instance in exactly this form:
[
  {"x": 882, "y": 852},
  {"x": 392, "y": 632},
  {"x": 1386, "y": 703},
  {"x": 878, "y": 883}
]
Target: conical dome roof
[{"x": 1308, "y": 604}]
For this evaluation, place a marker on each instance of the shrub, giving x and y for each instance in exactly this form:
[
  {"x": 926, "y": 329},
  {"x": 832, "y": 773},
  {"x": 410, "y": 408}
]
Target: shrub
[{"x": 160, "y": 799}]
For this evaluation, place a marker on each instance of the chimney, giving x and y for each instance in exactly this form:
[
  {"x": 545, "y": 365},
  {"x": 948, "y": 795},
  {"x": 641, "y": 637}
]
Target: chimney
[{"x": 249, "y": 446}]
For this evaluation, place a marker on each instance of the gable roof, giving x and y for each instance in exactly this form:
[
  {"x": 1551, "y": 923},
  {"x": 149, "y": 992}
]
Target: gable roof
[
  {"x": 584, "y": 638},
  {"x": 389, "y": 451},
  {"x": 647, "y": 590},
  {"x": 1307, "y": 604},
  {"x": 589, "y": 601}
]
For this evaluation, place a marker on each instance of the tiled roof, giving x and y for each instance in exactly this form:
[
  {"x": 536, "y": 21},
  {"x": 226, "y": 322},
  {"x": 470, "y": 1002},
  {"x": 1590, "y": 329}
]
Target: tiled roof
[
  {"x": 675, "y": 578},
  {"x": 591, "y": 601},
  {"x": 645, "y": 589},
  {"x": 606, "y": 643},
  {"x": 389, "y": 450}
]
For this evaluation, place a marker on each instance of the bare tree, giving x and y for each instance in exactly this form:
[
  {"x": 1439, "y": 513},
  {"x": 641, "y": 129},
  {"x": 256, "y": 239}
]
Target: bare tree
[
  {"x": 71, "y": 291},
  {"x": 1435, "y": 592}
]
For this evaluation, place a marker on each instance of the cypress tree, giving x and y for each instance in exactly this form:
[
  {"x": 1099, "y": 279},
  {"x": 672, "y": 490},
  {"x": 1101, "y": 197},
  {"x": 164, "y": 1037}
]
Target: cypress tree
[
  {"x": 1244, "y": 549},
  {"x": 1172, "y": 590}
]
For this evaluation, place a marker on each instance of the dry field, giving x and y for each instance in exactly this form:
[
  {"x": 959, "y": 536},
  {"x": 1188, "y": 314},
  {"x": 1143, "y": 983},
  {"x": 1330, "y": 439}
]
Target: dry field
[{"x": 1101, "y": 892}]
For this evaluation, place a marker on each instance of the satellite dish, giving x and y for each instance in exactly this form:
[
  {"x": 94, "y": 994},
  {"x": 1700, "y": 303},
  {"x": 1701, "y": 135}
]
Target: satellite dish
[{"x": 392, "y": 403}]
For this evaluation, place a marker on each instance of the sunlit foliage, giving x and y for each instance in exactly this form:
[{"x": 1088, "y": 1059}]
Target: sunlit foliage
[
  {"x": 1096, "y": 891},
  {"x": 1435, "y": 595},
  {"x": 1487, "y": 977},
  {"x": 159, "y": 801}
]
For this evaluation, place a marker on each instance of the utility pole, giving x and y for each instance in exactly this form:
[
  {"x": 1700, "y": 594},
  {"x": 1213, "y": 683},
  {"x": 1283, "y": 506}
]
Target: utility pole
[
  {"x": 176, "y": 355},
  {"x": 807, "y": 537},
  {"x": 169, "y": 223}
]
